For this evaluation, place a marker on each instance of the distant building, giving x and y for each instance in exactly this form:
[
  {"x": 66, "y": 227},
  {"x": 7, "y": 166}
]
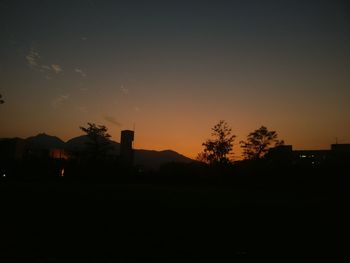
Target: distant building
[
  {"x": 344, "y": 148},
  {"x": 14, "y": 149},
  {"x": 58, "y": 154},
  {"x": 313, "y": 157},
  {"x": 19, "y": 149},
  {"x": 281, "y": 154},
  {"x": 339, "y": 153},
  {"x": 126, "y": 149},
  {"x": 281, "y": 149}
]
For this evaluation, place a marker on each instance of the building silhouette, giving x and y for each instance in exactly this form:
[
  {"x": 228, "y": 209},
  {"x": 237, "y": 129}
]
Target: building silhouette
[
  {"x": 126, "y": 149},
  {"x": 57, "y": 153},
  {"x": 14, "y": 149},
  {"x": 338, "y": 153}
]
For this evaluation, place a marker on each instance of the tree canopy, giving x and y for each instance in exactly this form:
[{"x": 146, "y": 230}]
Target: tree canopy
[
  {"x": 99, "y": 143},
  {"x": 259, "y": 142},
  {"x": 218, "y": 149}
]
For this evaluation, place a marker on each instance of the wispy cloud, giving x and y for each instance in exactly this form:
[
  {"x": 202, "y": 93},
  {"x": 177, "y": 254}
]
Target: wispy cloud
[
  {"x": 56, "y": 68},
  {"x": 57, "y": 102},
  {"x": 83, "y": 89},
  {"x": 112, "y": 120},
  {"x": 124, "y": 90},
  {"x": 80, "y": 71},
  {"x": 82, "y": 109},
  {"x": 45, "y": 67},
  {"x": 33, "y": 58}
]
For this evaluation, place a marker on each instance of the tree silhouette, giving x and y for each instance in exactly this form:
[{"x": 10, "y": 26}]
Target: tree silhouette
[
  {"x": 259, "y": 142},
  {"x": 99, "y": 143},
  {"x": 218, "y": 149},
  {"x": 1, "y": 100}
]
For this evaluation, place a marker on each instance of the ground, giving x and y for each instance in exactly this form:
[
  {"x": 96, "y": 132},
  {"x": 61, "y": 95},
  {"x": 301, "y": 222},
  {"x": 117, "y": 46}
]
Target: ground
[{"x": 60, "y": 221}]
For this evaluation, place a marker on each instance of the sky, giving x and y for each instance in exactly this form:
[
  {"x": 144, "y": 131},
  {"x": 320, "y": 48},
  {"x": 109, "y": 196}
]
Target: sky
[{"x": 173, "y": 69}]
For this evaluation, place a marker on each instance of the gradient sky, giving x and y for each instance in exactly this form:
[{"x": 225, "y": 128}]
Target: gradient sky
[{"x": 175, "y": 68}]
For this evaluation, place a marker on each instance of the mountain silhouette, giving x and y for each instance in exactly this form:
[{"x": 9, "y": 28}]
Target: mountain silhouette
[
  {"x": 153, "y": 159},
  {"x": 44, "y": 141},
  {"x": 146, "y": 158},
  {"x": 78, "y": 144}
]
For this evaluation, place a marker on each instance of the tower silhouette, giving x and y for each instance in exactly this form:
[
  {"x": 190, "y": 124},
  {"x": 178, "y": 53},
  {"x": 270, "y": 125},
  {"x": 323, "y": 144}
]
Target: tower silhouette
[{"x": 126, "y": 150}]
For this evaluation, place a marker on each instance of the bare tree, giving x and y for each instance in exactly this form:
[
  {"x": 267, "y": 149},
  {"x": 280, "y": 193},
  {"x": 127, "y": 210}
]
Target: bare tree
[
  {"x": 259, "y": 142},
  {"x": 218, "y": 149}
]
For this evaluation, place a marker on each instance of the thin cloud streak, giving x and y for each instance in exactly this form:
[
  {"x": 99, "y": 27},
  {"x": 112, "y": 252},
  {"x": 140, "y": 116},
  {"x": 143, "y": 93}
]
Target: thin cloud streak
[
  {"x": 112, "y": 120},
  {"x": 57, "y": 102},
  {"x": 80, "y": 71},
  {"x": 82, "y": 109},
  {"x": 124, "y": 90},
  {"x": 33, "y": 60},
  {"x": 56, "y": 68}
]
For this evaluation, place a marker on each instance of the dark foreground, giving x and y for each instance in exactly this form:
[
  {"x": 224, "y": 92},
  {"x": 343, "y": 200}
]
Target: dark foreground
[{"x": 70, "y": 221}]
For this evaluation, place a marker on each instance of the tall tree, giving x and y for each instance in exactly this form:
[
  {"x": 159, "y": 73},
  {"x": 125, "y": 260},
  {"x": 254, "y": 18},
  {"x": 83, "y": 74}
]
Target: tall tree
[
  {"x": 259, "y": 142},
  {"x": 99, "y": 143},
  {"x": 218, "y": 149}
]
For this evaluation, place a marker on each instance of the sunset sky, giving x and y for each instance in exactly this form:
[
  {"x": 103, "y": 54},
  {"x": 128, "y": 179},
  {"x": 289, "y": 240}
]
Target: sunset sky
[{"x": 175, "y": 68}]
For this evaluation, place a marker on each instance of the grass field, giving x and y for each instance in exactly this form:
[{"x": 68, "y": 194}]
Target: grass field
[{"x": 110, "y": 222}]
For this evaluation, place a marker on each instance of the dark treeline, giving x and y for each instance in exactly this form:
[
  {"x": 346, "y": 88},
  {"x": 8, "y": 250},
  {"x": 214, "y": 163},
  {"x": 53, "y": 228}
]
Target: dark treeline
[
  {"x": 269, "y": 168},
  {"x": 106, "y": 210},
  {"x": 267, "y": 175}
]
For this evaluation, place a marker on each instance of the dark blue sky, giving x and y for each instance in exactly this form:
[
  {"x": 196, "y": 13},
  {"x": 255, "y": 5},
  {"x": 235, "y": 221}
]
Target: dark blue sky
[{"x": 172, "y": 64}]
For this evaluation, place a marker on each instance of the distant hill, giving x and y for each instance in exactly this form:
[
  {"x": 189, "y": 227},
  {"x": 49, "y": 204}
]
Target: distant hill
[
  {"x": 146, "y": 158},
  {"x": 153, "y": 159},
  {"x": 44, "y": 141},
  {"x": 78, "y": 144}
]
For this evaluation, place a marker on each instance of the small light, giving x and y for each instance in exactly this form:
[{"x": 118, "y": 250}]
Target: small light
[{"x": 4, "y": 175}]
